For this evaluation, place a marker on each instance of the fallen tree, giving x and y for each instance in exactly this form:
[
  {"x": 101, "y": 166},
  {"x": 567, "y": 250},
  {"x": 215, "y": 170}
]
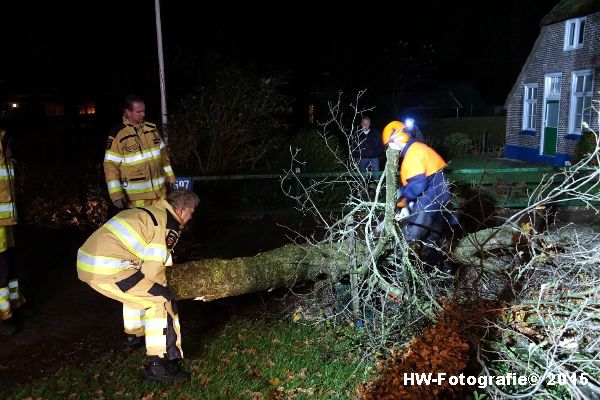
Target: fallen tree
[
  {"x": 363, "y": 247},
  {"x": 217, "y": 278},
  {"x": 552, "y": 283}
]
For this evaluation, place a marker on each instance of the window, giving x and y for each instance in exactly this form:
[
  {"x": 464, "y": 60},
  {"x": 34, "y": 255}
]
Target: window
[
  {"x": 530, "y": 106},
  {"x": 581, "y": 100},
  {"x": 87, "y": 108},
  {"x": 574, "y": 33},
  {"x": 552, "y": 83},
  {"x": 54, "y": 109}
]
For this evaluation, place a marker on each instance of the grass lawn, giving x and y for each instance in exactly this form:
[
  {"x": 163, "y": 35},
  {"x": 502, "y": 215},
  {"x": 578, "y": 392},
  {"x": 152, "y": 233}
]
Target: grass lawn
[{"x": 247, "y": 359}]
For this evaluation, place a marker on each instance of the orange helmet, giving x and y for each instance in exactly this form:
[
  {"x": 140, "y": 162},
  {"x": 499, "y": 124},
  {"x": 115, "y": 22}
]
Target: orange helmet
[{"x": 394, "y": 127}]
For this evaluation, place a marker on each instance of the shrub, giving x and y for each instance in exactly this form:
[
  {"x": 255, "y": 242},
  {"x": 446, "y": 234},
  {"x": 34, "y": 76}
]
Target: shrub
[
  {"x": 586, "y": 146},
  {"x": 457, "y": 144}
]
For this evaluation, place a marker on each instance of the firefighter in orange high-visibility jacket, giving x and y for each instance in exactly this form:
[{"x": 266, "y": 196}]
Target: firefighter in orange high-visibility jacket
[
  {"x": 136, "y": 163},
  {"x": 424, "y": 195},
  {"x": 126, "y": 260},
  {"x": 10, "y": 295}
]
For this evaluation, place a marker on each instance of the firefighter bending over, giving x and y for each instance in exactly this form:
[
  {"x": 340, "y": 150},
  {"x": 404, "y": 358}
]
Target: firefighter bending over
[{"x": 126, "y": 260}]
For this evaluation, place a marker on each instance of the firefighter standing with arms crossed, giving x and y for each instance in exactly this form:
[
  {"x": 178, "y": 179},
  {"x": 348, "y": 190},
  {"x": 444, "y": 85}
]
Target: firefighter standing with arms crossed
[{"x": 126, "y": 260}]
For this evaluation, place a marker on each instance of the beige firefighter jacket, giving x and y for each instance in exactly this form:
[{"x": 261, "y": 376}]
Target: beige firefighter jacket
[
  {"x": 8, "y": 211},
  {"x": 135, "y": 239},
  {"x": 136, "y": 163}
]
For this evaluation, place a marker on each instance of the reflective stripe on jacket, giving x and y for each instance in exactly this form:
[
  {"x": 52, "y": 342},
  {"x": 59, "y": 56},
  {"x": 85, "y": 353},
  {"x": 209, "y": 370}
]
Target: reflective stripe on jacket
[
  {"x": 136, "y": 163},
  {"x": 139, "y": 238},
  {"x": 8, "y": 212}
]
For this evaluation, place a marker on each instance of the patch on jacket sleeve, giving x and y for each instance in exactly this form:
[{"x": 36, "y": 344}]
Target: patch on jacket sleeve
[
  {"x": 109, "y": 142},
  {"x": 171, "y": 239}
]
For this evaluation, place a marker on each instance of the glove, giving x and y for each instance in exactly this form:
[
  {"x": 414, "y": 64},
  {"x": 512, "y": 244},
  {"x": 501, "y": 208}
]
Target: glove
[
  {"x": 403, "y": 213},
  {"x": 120, "y": 204}
]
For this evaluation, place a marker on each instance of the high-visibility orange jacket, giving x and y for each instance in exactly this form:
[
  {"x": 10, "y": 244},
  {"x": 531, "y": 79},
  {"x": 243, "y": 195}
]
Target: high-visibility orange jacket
[
  {"x": 136, "y": 163},
  {"x": 421, "y": 175},
  {"x": 8, "y": 212},
  {"x": 136, "y": 239}
]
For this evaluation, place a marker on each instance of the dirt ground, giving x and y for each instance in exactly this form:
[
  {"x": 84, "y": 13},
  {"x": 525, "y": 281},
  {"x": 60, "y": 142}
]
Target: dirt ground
[{"x": 73, "y": 324}]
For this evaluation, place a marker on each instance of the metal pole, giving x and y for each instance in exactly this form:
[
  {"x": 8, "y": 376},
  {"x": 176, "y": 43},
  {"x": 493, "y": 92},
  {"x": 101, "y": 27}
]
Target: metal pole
[{"x": 161, "y": 70}]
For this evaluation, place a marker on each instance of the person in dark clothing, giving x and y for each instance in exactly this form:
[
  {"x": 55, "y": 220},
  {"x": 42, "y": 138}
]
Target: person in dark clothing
[{"x": 367, "y": 150}]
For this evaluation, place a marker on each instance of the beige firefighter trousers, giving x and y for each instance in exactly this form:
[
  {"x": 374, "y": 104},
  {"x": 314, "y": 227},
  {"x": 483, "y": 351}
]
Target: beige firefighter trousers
[
  {"x": 151, "y": 304},
  {"x": 142, "y": 202}
]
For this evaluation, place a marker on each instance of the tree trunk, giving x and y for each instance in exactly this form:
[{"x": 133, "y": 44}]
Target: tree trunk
[
  {"x": 212, "y": 279},
  {"x": 487, "y": 248}
]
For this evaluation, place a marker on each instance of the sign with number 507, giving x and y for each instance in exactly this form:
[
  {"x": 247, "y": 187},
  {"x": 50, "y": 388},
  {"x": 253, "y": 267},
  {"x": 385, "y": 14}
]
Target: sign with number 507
[{"x": 184, "y": 182}]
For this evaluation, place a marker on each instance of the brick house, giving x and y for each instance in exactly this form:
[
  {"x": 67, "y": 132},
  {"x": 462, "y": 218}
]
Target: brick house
[{"x": 558, "y": 88}]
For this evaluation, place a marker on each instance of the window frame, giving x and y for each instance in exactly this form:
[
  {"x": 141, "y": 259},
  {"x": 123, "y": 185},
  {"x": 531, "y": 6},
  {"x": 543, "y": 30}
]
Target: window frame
[
  {"x": 574, "y": 95},
  {"x": 577, "y": 25},
  {"x": 527, "y": 101}
]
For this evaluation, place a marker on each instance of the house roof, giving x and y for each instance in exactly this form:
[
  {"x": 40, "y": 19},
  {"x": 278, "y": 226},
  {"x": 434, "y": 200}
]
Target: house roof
[{"x": 567, "y": 9}]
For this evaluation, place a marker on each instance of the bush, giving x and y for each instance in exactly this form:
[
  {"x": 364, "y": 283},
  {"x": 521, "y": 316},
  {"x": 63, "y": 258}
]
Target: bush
[
  {"x": 586, "y": 146},
  {"x": 487, "y": 133},
  {"x": 457, "y": 144}
]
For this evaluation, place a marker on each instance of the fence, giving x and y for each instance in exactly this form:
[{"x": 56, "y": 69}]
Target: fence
[{"x": 264, "y": 194}]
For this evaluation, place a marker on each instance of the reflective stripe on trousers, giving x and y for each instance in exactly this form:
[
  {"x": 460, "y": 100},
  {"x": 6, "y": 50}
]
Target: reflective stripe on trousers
[
  {"x": 5, "y": 312},
  {"x": 10, "y": 299},
  {"x": 133, "y": 320}
]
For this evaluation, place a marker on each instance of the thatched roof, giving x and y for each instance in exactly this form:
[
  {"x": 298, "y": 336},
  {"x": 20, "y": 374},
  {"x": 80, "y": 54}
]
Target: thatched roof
[{"x": 567, "y": 9}]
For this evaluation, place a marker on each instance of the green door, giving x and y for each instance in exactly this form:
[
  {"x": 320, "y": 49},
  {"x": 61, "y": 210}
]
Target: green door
[{"x": 550, "y": 128}]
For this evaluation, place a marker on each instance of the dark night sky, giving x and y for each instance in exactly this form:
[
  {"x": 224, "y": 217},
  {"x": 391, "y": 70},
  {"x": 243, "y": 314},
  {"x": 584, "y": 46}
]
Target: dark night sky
[{"x": 91, "y": 46}]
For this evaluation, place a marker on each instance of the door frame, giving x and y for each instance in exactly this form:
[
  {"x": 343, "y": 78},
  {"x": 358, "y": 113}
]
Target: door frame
[
  {"x": 547, "y": 97},
  {"x": 545, "y": 126}
]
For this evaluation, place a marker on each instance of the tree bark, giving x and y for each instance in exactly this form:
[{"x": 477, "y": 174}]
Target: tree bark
[
  {"x": 481, "y": 249},
  {"x": 212, "y": 279}
]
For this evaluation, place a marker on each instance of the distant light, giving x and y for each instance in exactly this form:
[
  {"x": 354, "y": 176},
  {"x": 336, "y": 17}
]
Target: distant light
[
  {"x": 14, "y": 105},
  {"x": 409, "y": 122}
]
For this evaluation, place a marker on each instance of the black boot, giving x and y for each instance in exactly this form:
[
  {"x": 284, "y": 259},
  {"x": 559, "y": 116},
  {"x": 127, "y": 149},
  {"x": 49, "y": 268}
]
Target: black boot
[
  {"x": 7, "y": 328},
  {"x": 133, "y": 342},
  {"x": 162, "y": 370}
]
